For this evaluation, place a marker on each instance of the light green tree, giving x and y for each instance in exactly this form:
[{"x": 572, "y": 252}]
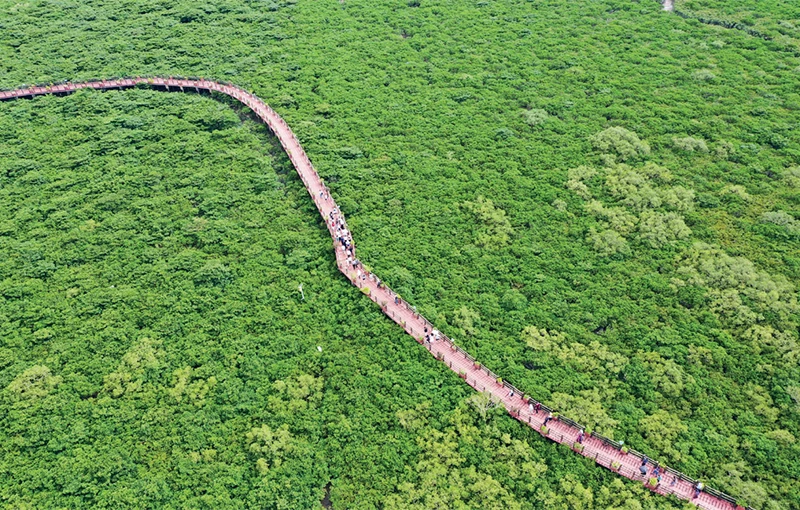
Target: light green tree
[
  {"x": 620, "y": 141},
  {"x": 609, "y": 242},
  {"x": 35, "y": 382}
]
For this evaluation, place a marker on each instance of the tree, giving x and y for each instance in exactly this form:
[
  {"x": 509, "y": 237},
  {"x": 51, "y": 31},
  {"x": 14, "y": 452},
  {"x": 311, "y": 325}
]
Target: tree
[
  {"x": 661, "y": 430},
  {"x": 483, "y": 402},
  {"x": 493, "y": 227},
  {"x": 609, "y": 242},
  {"x": 661, "y": 229},
  {"x": 690, "y": 144},
  {"x": 620, "y": 141},
  {"x": 535, "y": 117},
  {"x": 35, "y": 382}
]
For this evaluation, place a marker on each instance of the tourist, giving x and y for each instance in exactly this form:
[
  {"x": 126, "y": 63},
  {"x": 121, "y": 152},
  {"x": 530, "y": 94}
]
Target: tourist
[
  {"x": 580, "y": 437},
  {"x": 538, "y": 407},
  {"x": 548, "y": 418},
  {"x": 698, "y": 489}
]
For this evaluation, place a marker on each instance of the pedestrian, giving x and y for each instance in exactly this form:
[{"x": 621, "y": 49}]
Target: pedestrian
[
  {"x": 396, "y": 300},
  {"x": 643, "y": 470},
  {"x": 644, "y": 460},
  {"x": 511, "y": 394},
  {"x": 656, "y": 471},
  {"x": 548, "y": 418},
  {"x": 538, "y": 407},
  {"x": 674, "y": 481},
  {"x": 698, "y": 489},
  {"x": 580, "y": 437},
  {"x": 530, "y": 407}
]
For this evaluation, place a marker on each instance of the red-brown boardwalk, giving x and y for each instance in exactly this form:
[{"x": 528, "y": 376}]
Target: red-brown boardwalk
[{"x": 605, "y": 452}]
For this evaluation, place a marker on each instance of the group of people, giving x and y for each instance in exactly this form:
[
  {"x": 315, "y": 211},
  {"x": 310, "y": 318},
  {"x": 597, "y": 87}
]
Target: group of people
[
  {"x": 345, "y": 240},
  {"x": 433, "y": 336},
  {"x": 534, "y": 407},
  {"x": 657, "y": 473}
]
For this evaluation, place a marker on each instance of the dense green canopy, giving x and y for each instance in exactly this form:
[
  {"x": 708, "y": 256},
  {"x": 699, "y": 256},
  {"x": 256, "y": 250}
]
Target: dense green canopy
[{"x": 598, "y": 199}]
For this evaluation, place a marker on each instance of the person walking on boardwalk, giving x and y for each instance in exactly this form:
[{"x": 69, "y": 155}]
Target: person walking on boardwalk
[
  {"x": 698, "y": 489},
  {"x": 530, "y": 407},
  {"x": 537, "y": 407},
  {"x": 548, "y": 418},
  {"x": 580, "y": 437}
]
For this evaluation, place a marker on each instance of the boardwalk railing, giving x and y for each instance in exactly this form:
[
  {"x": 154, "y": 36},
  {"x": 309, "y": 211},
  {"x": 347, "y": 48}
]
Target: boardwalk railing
[{"x": 392, "y": 304}]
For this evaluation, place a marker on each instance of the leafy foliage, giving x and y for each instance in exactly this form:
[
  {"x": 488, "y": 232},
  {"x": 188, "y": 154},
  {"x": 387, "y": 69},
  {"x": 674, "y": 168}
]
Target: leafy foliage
[{"x": 205, "y": 235}]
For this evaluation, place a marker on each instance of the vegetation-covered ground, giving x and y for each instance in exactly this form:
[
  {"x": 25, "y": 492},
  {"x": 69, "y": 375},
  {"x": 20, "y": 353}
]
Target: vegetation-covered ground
[
  {"x": 598, "y": 199},
  {"x": 776, "y": 19}
]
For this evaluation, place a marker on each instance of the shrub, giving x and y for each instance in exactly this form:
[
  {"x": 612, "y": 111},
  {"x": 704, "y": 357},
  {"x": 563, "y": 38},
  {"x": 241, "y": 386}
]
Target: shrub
[
  {"x": 544, "y": 430},
  {"x": 703, "y": 75},
  {"x": 578, "y": 447},
  {"x": 615, "y": 465},
  {"x": 504, "y": 134}
]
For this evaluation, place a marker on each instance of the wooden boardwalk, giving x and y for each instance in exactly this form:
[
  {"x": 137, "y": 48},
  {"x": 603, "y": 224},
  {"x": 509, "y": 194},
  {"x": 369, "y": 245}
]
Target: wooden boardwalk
[{"x": 603, "y": 451}]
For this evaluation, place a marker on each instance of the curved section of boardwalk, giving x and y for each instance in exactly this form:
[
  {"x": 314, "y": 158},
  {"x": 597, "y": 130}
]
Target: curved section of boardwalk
[{"x": 607, "y": 453}]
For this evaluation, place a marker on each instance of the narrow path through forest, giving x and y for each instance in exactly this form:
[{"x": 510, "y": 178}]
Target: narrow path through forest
[{"x": 606, "y": 452}]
